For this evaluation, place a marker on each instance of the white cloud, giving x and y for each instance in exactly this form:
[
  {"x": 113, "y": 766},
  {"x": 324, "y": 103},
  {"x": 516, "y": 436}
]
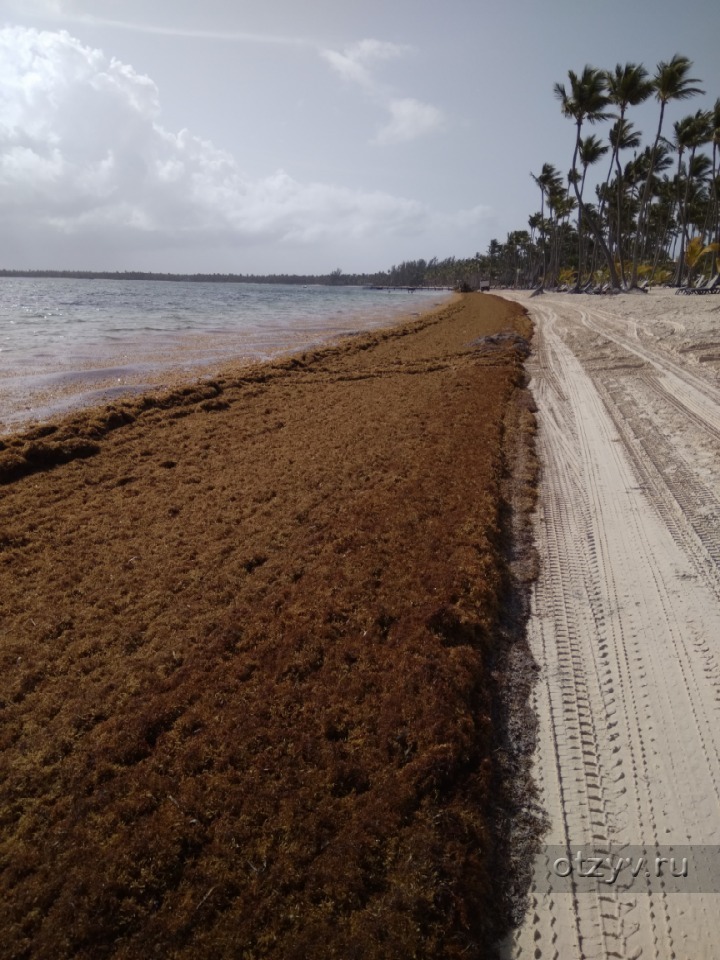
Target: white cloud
[
  {"x": 225, "y": 36},
  {"x": 355, "y": 61},
  {"x": 369, "y": 50},
  {"x": 409, "y": 119},
  {"x": 83, "y": 155},
  {"x": 76, "y": 12}
]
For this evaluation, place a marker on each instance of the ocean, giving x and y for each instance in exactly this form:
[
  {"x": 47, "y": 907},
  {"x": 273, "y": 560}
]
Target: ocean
[{"x": 68, "y": 343}]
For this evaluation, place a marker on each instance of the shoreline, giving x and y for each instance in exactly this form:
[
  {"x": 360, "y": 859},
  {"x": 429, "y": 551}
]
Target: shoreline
[
  {"x": 75, "y": 425},
  {"x": 151, "y": 362},
  {"x": 254, "y": 649}
]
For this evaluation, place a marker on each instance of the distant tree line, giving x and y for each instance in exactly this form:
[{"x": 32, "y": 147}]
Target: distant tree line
[
  {"x": 178, "y": 277},
  {"x": 412, "y": 273}
]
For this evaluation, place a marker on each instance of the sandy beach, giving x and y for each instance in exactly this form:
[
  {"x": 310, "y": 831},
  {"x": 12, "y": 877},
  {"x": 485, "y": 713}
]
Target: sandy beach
[
  {"x": 624, "y": 626},
  {"x": 255, "y": 641}
]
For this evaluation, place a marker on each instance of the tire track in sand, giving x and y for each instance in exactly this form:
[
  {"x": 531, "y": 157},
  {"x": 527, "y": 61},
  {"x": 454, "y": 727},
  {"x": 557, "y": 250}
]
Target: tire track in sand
[{"x": 628, "y": 753}]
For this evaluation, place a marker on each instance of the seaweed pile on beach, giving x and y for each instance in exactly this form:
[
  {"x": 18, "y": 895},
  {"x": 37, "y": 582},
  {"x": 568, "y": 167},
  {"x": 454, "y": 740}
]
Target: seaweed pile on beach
[{"x": 252, "y": 647}]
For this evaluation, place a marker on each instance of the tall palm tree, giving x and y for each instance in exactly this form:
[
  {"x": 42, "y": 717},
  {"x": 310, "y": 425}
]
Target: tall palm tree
[
  {"x": 549, "y": 181},
  {"x": 682, "y": 135},
  {"x": 670, "y": 82},
  {"x": 591, "y": 150},
  {"x": 627, "y": 86},
  {"x": 715, "y": 123},
  {"x": 623, "y": 136},
  {"x": 690, "y": 133},
  {"x": 588, "y": 101},
  {"x": 699, "y": 207},
  {"x": 660, "y": 223}
]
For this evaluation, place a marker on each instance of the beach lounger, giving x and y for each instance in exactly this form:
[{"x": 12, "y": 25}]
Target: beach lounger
[
  {"x": 700, "y": 286},
  {"x": 707, "y": 286},
  {"x": 690, "y": 289}
]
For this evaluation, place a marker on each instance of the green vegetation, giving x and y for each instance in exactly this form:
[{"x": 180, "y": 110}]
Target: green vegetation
[
  {"x": 646, "y": 223},
  {"x": 654, "y": 218},
  {"x": 413, "y": 273}
]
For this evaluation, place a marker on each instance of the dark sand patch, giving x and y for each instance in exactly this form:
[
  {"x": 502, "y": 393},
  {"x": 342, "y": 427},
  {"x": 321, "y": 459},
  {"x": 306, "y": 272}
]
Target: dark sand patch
[{"x": 250, "y": 639}]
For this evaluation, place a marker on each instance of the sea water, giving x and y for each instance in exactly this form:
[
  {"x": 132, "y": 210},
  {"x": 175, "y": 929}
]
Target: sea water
[{"x": 66, "y": 343}]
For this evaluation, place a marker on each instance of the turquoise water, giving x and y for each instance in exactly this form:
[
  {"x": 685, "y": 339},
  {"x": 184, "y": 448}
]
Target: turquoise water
[{"x": 65, "y": 343}]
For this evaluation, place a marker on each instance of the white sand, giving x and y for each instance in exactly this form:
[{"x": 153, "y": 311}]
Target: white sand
[{"x": 626, "y": 622}]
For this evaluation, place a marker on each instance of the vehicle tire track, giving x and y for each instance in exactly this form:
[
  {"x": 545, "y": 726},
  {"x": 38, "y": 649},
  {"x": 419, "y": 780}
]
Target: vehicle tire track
[{"x": 623, "y": 623}]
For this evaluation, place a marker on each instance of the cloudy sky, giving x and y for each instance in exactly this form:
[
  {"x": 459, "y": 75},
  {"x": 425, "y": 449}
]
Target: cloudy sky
[{"x": 281, "y": 136}]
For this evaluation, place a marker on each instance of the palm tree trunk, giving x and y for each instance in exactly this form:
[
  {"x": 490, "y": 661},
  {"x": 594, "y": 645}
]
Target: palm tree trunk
[
  {"x": 578, "y": 279},
  {"x": 618, "y": 225},
  {"x": 683, "y": 222},
  {"x": 661, "y": 244},
  {"x": 544, "y": 241},
  {"x": 597, "y": 234},
  {"x": 644, "y": 201},
  {"x": 614, "y": 159},
  {"x": 677, "y": 206},
  {"x": 715, "y": 193}
]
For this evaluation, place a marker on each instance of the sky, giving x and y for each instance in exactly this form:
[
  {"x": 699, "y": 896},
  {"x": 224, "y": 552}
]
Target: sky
[{"x": 286, "y": 137}]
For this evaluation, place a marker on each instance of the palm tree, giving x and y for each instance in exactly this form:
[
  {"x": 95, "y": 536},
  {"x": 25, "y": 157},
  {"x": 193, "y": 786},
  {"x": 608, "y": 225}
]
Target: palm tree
[
  {"x": 660, "y": 223},
  {"x": 682, "y": 134},
  {"x": 494, "y": 251},
  {"x": 587, "y": 100},
  {"x": 591, "y": 149},
  {"x": 659, "y": 215},
  {"x": 549, "y": 181},
  {"x": 627, "y": 86},
  {"x": 699, "y": 206},
  {"x": 690, "y": 133},
  {"x": 696, "y": 251},
  {"x": 670, "y": 82},
  {"x": 715, "y": 124},
  {"x": 623, "y": 136},
  {"x": 561, "y": 205},
  {"x": 534, "y": 222}
]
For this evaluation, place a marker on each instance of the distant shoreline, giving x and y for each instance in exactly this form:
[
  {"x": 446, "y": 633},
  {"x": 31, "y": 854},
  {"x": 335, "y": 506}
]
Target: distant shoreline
[{"x": 346, "y": 280}]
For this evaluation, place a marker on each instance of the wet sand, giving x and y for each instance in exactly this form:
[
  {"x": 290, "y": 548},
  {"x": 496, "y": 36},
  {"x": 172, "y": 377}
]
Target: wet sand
[{"x": 255, "y": 634}]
